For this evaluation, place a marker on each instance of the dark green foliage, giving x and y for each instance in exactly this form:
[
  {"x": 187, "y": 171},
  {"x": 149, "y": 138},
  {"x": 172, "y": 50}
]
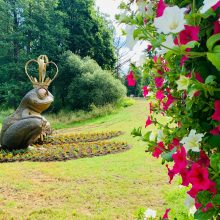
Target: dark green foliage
[
  {"x": 82, "y": 82},
  {"x": 29, "y": 28},
  {"x": 90, "y": 34}
]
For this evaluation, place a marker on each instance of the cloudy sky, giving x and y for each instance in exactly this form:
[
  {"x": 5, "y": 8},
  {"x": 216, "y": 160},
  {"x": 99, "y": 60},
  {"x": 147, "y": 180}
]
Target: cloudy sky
[{"x": 110, "y": 7}]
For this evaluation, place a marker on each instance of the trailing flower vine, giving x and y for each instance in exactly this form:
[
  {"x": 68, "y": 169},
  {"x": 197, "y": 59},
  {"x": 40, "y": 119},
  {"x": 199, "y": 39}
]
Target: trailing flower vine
[{"x": 182, "y": 71}]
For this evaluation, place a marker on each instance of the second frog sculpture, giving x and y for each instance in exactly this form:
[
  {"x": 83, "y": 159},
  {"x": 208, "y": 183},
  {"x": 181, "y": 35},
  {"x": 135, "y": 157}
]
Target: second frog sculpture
[{"x": 26, "y": 125}]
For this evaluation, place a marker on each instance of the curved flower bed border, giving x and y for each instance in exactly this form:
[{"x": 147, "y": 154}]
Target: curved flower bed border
[
  {"x": 81, "y": 137},
  {"x": 181, "y": 75},
  {"x": 67, "y": 147}
]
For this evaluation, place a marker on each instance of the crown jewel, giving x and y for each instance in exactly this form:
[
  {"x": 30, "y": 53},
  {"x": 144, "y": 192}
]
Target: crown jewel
[{"x": 42, "y": 62}]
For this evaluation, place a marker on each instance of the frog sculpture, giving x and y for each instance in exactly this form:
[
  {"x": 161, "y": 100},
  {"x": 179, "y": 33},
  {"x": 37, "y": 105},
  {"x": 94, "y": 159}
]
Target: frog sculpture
[{"x": 26, "y": 125}]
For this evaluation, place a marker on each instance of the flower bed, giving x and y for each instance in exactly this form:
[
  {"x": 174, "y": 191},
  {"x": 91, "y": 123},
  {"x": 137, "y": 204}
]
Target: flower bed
[
  {"x": 80, "y": 137},
  {"x": 64, "y": 148}
]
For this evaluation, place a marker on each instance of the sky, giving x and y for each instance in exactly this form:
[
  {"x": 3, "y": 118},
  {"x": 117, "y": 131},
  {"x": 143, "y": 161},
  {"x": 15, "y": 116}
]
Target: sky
[{"x": 110, "y": 7}]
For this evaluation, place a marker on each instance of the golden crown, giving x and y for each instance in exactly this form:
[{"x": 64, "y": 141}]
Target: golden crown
[{"x": 42, "y": 62}]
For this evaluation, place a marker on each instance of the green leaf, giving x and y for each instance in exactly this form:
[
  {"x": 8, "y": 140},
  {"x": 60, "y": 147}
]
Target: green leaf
[
  {"x": 215, "y": 161},
  {"x": 212, "y": 41},
  {"x": 214, "y": 141},
  {"x": 136, "y": 132},
  {"x": 209, "y": 13},
  {"x": 214, "y": 57},
  {"x": 168, "y": 156},
  {"x": 216, "y": 199},
  {"x": 147, "y": 136},
  {"x": 200, "y": 215},
  {"x": 137, "y": 33},
  {"x": 210, "y": 80},
  {"x": 191, "y": 44},
  {"x": 204, "y": 197}
]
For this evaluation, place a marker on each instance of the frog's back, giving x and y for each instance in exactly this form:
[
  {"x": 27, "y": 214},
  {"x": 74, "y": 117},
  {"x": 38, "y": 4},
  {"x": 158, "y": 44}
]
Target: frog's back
[{"x": 10, "y": 120}]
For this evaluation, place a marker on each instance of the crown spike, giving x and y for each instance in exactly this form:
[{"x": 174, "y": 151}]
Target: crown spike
[{"x": 42, "y": 62}]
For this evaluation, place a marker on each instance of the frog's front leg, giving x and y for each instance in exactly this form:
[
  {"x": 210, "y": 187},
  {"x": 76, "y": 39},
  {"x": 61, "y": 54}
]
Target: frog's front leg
[
  {"x": 23, "y": 133},
  {"x": 46, "y": 128}
]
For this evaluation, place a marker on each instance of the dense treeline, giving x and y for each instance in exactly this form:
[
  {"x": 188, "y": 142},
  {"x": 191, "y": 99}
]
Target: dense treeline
[{"x": 29, "y": 28}]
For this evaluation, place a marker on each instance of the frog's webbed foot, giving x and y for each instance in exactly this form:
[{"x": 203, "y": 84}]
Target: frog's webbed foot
[{"x": 23, "y": 133}]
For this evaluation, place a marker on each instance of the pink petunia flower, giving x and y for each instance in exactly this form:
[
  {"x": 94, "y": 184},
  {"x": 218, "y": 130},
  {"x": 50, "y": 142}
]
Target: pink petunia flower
[
  {"x": 211, "y": 188},
  {"x": 131, "y": 80},
  {"x": 145, "y": 91},
  {"x": 193, "y": 192},
  {"x": 155, "y": 58},
  {"x": 206, "y": 208},
  {"x": 204, "y": 159},
  {"x": 190, "y": 33},
  {"x": 184, "y": 175},
  {"x": 183, "y": 60},
  {"x": 148, "y": 122},
  {"x": 216, "y": 131},
  {"x": 160, "y": 95},
  {"x": 171, "y": 174},
  {"x": 197, "y": 76},
  {"x": 199, "y": 177},
  {"x": 159, "y": 81},
  {"x": 216, "y": 115},
  {"x": 149, "y": 47},
  {"x": 175, "y": 143},
  {"x": 216, "y": 27},
  {"x": 169, "y": 102},
  {"x": 165, "y": 216},
  {"x": 160, "y": 8},
  {"x": 180, "y": 161},
  {"x": 216, "y": 6},
  {"x": 158, "y": 150}
]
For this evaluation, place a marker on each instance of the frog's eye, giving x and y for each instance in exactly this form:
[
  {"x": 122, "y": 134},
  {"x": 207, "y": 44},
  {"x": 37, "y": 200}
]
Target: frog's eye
[{"x": 42, "y": 93}]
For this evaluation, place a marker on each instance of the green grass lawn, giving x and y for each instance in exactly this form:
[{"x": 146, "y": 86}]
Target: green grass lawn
[{"x": 109, "y": 187}]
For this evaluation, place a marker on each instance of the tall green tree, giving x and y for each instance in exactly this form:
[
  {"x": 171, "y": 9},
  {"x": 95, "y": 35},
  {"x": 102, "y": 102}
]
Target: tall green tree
[
  {"x": 90, "y": 34},
  {"x": 29, "y": 28}
]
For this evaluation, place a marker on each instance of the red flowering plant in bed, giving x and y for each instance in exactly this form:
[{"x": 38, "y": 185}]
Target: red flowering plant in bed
[{"x": 182, "y": 68}]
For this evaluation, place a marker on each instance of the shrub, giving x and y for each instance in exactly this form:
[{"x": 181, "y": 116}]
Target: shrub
[
  {"x": 82, "y": 82},
  {"x": 98, "y": 88}
]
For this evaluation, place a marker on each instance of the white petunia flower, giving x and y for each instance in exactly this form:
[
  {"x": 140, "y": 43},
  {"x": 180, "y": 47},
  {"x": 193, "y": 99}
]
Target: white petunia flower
[
  {"x": 189, "y": 201},
  {"x": 207, "y": 4},
  {"x": 172, "y": 20},
  {"x": 141, "y": 5},
  {"x": 192, "y": 210},
  {"x": 149, "y": 213},
  {"x": 130, "y": 41},
  {"x": 168, "y": 43},
  {"x": 160, "y": 135},
  {"x": 183, "y": 83},
  {"x": 122, "y": 17},
  {"x": 149, "y": 9},
  {"x": 192, "y": 93},
  {"x": 152, "y": 136},
  {"x": 190, "y": 204},
  {"x": 142, "y": 59},
  {"x": 192, "y": 141}
]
